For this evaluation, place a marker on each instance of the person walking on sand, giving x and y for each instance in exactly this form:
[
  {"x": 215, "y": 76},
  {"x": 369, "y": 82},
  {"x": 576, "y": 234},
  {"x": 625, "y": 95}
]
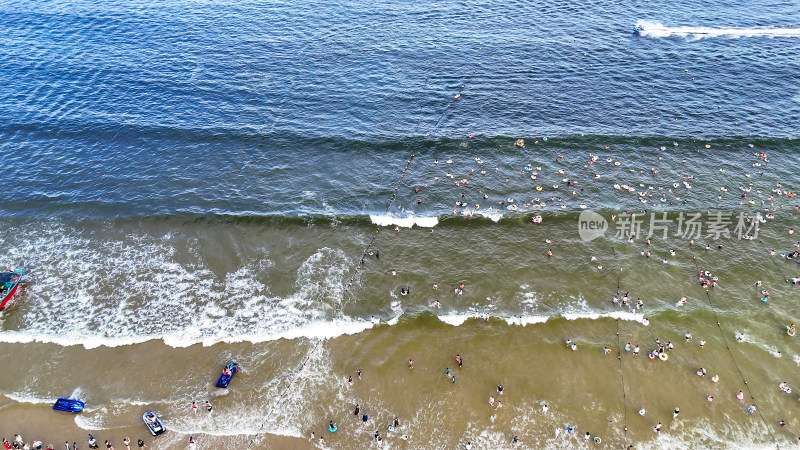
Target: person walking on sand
[
  {"x": 141, "y": 444},
  {"x": 127, "y": 442},
  {"x": 192, "y": 444}
]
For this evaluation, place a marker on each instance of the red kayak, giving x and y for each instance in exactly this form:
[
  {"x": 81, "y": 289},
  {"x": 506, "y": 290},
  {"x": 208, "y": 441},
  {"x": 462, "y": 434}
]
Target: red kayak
[{"x": 9, "y": 281}]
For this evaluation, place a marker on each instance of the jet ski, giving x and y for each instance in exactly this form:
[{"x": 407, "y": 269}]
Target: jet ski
[
  {"x": 68, "y": 405},
  {"x": 638, "y": 29},
  {"x": 227, "y": 374},
  {"x": 153, "y": 423}
]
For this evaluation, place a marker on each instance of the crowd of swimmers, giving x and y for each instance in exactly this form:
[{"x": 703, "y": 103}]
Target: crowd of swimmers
[{"x": 706, "y": 279}]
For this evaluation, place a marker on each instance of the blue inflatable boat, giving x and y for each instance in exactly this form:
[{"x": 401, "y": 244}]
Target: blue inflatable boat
[
  {"x": 227, "y": 374},
  {"x": 68, "y": 405},
  {"x": 153, "y": 423}
]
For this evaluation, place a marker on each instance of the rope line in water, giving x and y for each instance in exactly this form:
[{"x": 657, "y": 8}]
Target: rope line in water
[
  {"x": 622, "y": 380},
  {"x": 730, "y": 353},
  {"x": 338, "y": 307},
  {"x": 619, "y": 359}
]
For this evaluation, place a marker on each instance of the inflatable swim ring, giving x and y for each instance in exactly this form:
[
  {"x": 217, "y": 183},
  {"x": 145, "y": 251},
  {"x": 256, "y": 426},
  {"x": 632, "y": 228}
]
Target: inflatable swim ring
[
  {"x": 663, "y": 357},
  {"x": 537, "y": 219},
  {"x": 652, "y": 355},
  {"x": 597, "y": 440},
  {"x": 538, "y": 189},
  {"x": 332, "y": 429},
  {"x": 790, "y": 331}
]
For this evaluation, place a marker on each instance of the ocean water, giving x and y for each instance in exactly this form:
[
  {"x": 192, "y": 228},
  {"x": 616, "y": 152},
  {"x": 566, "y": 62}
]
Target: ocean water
[{"x": 193, "y": 183}]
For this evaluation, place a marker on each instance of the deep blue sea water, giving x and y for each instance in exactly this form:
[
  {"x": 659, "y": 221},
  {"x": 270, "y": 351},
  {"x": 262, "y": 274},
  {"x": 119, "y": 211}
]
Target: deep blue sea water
[{"x": 161, "y": 107}]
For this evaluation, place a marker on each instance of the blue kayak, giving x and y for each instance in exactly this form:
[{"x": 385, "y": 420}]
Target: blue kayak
[
  {"x": 227, "y": 374},
  {"x": 69, "y": 405}
]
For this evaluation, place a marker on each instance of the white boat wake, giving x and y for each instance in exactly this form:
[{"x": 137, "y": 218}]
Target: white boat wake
[{"x": 657, "y": 30}]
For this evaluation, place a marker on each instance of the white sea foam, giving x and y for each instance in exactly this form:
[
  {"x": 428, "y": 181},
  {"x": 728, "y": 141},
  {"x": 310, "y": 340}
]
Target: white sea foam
[
  {"x": 25, "y": 397},
  {"x": 125, "y": 291},
  {"x": 459, "y": 319},
  {"x": 385, "y": 220},
  {"x": 493, "y": 216},
  {"x": 657, "y": 30}
]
